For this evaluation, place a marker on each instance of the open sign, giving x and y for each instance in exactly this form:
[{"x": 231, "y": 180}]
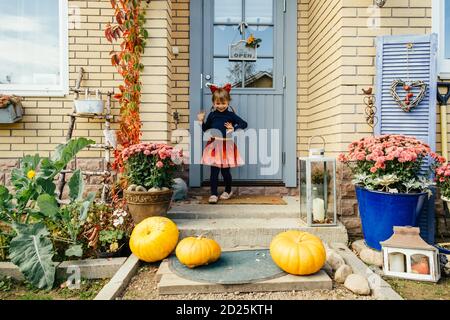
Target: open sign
[{"x": 240, "y": 52}]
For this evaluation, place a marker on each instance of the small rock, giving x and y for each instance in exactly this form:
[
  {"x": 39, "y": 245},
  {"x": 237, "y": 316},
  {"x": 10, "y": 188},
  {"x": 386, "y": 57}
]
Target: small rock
[
  {"x": 447, "y": 269},
  {"x": 358, "y": 246},
  {"x": 342, "y": 273},
  {"x": 334, "y": 259},
  {"x": 372, "y": 257},
  {"x": 357, "y": 284}
]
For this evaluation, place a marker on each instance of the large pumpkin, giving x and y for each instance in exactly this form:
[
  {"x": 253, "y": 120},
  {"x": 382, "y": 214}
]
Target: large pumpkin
[
  {"x": 197, "y": 251},
  {"x": 298, "y": 253},
  {"x": 154, "y": 239}
]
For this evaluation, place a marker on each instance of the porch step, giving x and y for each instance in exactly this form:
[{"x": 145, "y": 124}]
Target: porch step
[
  {"x": 218, "y": 211},
  {"x": 255, "y": 232}
]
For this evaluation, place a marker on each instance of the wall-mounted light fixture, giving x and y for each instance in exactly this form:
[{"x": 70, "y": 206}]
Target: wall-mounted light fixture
[{"x": 380, "y": 3}]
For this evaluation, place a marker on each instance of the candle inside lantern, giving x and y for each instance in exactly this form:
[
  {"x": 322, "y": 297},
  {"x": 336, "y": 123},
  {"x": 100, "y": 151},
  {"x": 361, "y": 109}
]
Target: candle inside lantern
[
  {"x": 318, "y": 209},
  {"x": 397, "y": 262}
]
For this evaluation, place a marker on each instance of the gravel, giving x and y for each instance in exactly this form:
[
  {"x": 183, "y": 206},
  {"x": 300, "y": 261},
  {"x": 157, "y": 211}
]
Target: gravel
[{"x": 143, "y": 286}]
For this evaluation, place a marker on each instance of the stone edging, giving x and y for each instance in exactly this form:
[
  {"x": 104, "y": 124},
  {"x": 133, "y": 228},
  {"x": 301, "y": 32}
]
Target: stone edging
[
  {"x": 120, "y": 281},
  {"x": 380, "y": 288},
  {"x": 88, "y": 269}
]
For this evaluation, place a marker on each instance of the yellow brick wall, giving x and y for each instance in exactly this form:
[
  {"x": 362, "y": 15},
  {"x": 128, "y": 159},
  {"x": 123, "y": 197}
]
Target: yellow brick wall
[
  {"x": 180, "y": 70},
  {"x": 336, "y": 56},
  {"x": 319, "y": 111},
  {"x": 397, "y": 17},
  {"x": 45, "y": 122}
]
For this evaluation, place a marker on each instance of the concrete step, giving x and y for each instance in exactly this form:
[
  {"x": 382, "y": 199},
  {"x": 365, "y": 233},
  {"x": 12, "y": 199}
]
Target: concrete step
[
  {"x": 256, "y": 232},
  {"x": 170, "y": 283},
  {"x": 218, "y": 211}
]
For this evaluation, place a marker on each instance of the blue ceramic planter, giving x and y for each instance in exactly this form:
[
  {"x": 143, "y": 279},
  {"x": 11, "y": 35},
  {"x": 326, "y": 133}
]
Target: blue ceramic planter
[{"x": 381, "y": 211}]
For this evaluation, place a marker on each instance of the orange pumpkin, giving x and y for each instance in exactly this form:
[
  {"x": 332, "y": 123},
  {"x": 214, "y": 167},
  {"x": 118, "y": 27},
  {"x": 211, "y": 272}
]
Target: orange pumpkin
[
  {"x": 197, "y": 251},
  {"x": 298, "y": 253},
  {"x": 154, "y": 239}
]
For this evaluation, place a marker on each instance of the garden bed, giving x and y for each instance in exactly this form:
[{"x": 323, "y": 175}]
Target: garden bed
[
  {"x": 11, "y": 289},
  {"x": 91, "y": 269}
]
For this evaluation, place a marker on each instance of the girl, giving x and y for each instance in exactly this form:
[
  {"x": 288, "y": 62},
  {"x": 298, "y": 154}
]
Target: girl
[{"x": 221, "y": 152}]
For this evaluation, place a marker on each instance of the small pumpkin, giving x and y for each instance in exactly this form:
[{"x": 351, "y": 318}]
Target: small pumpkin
[
  {"x": 154, "y": 239},
  {"x": 298, "y": 253},
  {"x": 197, "y": 251}
]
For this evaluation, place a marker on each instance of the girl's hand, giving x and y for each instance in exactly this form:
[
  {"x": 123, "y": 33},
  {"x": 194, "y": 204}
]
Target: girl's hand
[
  {"x": 201, "y": 117},
  {"x": 229, "y": 127}
]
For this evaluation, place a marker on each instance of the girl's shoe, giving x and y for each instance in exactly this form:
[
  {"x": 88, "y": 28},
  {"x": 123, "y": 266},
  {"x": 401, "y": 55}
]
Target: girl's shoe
[
  {"x": 226, "y": 195},
  {"x": 213, "y": 199}
]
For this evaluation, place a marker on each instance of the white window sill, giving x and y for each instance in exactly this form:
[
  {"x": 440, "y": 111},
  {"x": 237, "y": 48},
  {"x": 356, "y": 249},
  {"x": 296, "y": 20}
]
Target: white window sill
[{"x": 49, "y": 93}]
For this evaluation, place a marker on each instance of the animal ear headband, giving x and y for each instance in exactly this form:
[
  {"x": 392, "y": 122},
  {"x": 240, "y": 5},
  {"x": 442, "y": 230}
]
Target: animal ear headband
[{"x": 226, "y": 87}]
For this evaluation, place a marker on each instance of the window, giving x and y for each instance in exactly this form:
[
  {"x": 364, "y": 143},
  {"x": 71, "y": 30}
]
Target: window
[
  {"x": 259, "y": 18},
  {"x": 34, "y": 47},
  {"x": 441, "y": 26}
]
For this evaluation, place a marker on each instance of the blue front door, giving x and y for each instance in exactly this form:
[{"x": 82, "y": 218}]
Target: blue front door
[{"x": 258, "y": 92}]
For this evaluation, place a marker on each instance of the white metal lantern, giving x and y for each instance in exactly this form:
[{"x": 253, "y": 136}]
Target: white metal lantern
[
  {"x": 318, "y": 187},
  {"x": 406, "y": 255}
]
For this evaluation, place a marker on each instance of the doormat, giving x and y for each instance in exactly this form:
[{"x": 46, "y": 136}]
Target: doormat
[
  {"x": 236, "y": 267},
  {"x": 267, "y": 200}
]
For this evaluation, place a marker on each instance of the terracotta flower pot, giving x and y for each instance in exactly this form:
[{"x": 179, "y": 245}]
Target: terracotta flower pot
[{"x": 143, "y": 205}]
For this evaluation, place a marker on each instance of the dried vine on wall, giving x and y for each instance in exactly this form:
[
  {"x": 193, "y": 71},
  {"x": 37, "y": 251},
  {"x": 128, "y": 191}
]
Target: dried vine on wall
[{"x": 129, "y": 28}]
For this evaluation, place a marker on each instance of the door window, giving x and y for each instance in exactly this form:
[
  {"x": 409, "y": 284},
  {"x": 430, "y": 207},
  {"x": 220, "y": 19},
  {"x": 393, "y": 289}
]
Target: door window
[{"x": 258, "y": 16}]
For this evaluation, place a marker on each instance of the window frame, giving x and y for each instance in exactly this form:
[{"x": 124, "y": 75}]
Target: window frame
[
  {"x": 61, "y": 90},
  {"x": 438, "y": 27}
]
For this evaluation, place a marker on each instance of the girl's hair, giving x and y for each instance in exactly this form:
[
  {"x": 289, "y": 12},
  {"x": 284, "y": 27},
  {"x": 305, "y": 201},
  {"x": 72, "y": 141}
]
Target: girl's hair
[{"x": 221, "y": 95}]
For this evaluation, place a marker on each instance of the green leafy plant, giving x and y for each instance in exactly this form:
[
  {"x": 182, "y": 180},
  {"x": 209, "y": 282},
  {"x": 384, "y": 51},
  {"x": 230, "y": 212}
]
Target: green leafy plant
[
  {"x": 443, "y": 180},
  {"x": 106, "y": 229},
  {"x": 6, "y": 284},
  {"x": 32, "y": 251},
  {"x": 111, "y": 240},
  {"x": 34, "y": 205}
]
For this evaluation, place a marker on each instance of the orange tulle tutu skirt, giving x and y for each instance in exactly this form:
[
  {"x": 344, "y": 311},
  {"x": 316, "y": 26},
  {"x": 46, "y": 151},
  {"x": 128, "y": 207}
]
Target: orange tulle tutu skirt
[{"x": 222, "y": 153}]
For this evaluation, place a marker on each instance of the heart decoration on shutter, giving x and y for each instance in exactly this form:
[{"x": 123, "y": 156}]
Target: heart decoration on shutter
[{"x": 408, "y": 103}]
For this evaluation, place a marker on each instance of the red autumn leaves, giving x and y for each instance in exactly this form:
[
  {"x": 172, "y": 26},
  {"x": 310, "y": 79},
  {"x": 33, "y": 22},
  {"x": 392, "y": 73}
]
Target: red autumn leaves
[{"x": 129, "y": 28}]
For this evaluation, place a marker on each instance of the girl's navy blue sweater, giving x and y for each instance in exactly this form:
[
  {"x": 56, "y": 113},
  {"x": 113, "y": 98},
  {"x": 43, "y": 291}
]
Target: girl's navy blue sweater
[{"x": 216, "y": 120}]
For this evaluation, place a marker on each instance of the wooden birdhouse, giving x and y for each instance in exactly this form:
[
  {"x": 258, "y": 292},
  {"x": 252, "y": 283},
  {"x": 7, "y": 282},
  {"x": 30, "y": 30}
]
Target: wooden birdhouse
[{"x": 408, "y": 256}]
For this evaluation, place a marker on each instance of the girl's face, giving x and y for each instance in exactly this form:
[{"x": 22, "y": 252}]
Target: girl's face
[{"x": 221, "y": 106}]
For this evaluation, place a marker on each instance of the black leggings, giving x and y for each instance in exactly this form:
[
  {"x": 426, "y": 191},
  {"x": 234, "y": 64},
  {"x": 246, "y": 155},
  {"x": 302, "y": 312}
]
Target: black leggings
[{"x": 226, "y": 174}]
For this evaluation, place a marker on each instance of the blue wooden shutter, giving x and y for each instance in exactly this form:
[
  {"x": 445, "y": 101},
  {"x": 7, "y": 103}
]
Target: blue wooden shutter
[{"x": 392, "y": 56}]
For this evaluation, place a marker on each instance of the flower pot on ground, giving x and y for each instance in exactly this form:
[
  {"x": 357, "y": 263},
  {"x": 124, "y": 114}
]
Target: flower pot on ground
[
  {"x": 381, "y": 211},
  {"x": 145, "y": 204},
  {"x": 391, "y": 186},
  {"x": 149, "y": 171}
]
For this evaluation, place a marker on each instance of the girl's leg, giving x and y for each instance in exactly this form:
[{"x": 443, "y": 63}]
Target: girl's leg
[
  {"x": 214, "y": 180},
  {"x": 227, "y": 178}
]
